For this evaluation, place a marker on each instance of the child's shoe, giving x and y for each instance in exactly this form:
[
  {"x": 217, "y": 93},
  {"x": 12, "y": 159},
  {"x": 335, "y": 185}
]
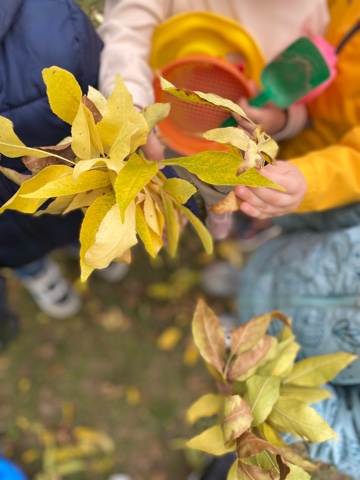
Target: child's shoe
[{"x": 51, "y": 291}]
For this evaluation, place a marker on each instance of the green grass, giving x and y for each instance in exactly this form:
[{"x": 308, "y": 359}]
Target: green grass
[{"x": 104, "y": 367}]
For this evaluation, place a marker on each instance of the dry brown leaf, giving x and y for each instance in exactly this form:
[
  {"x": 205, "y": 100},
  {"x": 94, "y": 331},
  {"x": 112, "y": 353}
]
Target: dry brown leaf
[{"x": 230, "y": 203}]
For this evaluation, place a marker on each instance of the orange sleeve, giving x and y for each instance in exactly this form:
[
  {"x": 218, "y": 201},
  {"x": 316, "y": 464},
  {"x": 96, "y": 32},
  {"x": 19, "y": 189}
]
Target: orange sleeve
[{"x": 332, "y": 174}]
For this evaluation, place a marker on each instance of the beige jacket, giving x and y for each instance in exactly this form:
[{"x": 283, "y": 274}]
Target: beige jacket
[{"x": 129, "y": 25}]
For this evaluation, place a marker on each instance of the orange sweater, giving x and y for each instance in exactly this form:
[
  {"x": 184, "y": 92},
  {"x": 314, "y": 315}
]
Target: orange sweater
[{"x": 328, "y": 152}]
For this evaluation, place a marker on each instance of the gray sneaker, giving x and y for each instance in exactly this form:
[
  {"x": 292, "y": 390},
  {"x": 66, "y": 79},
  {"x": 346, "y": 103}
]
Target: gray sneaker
[{"x": 52, "y": 293}]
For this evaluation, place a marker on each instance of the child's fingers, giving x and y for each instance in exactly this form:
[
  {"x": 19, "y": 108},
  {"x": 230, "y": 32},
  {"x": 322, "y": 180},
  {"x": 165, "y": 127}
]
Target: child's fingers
[{"x": 153, "y": 150}]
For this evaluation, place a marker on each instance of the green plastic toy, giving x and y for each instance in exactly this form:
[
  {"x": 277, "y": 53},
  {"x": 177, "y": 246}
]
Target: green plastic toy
[{"x": 299, "y": 73}]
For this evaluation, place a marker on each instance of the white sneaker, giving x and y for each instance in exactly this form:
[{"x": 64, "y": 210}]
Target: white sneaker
[
  {"x": 113, "y": 273},
  {"x": 52, "y": 293}
]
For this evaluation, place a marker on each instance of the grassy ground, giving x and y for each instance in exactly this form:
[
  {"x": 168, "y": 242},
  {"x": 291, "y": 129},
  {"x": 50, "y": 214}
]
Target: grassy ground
[
  {"x": 96, "y": 394},
  {"x": 104, "y": 370},
  {"x": 97, "y": 388}
]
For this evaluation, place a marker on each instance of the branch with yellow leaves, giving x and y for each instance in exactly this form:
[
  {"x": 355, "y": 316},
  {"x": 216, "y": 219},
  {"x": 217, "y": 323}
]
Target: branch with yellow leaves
[{"x": 101, "y": 170}]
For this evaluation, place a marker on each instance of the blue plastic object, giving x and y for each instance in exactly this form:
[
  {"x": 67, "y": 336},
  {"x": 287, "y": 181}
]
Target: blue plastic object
[{"x": 10, "y": 471}]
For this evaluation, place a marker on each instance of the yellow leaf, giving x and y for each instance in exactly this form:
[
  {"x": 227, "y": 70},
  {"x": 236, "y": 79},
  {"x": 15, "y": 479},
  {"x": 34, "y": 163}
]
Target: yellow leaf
[
  {"x": 209, "y": 335},
  {"x": 64, "y": 93},
  {"x": 153, "y": 216},
  {"x": 315, "y": 371},
  {"x": 140, "y": 136},
  {"x": 12, "y": 146},
  {"x": 289, "y": 455},
  {"x": 30, "y": 205},
  {"x": 297, "y": 473},
  {"x": 93, "y": 132},
  {"x": 66, "y": 184},
  {"x": 153, "y": 114},
  {"x": 119, "y": 112},
  {"x": 30, "y": 455},
  {"x": 248, "y": 335},
  {"x": 237, "y": 417},
  {"x": 203, "y": 98},
  {"x": 98, "y": 99},
  {"x": 191, "y": 355},
  {"x": 253, "y": 451},
  {"x": 269, "y": 147},
  {"x": 208, "y": 405},
  {"x": 160, "y": 291},
  {"x": 271, "y": 435},
  {"x": 232, "y": 136},
  {"x": 252, "y": 158},
  {"x": 169, "y": 338},
  {"x": 211, "y": 441},
  {"x": 93, "y": 218},
  {"x": 261, "y": 395},
  {"x": 133, "y": 396},
  {"x": 84, "y": 165},
  {"x": 172, "y": 226},
  {"x": 178, "y": 189},
  {"x": 70, "y": 467},
  {"x": 220, "y": 168},
  {"x": 305, "y": 394},
  {"x": 85, "y": 199},
  {"x": 135, "y": 175},
  {"x": 114, "y": 319},
  {"x": 230, "y": 203},
  {"x": 24, "y": 384},
  {"x": 232, "y": 473},
  {"x": 283, "y": 362},
  {"x": 295, "y": 417},
  {"x": 200, "y": 229},
  {"x": 14, "y": 176},
  {"x": 86, "y": 141},
  {"x": 57, "y": 206},
  {"x": 248, "y": 362},
  {"x": 113, "y": 238},
  {"x": 150, "y": 239},
  {"x": 95, "y": 437},
  {"x": 121, "y": 147}
]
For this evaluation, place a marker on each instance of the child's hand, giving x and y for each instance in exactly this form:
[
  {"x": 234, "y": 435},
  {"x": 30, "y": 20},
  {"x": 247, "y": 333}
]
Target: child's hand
[
  {"x": 153, "y": 150},
  {"x": 270, "y": 117},
  {"x": 261, "y": 202}
]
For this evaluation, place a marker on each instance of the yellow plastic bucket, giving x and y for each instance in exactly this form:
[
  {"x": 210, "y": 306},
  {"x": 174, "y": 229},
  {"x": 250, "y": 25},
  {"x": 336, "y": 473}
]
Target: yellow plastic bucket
[{"x": 205, "y": 33}]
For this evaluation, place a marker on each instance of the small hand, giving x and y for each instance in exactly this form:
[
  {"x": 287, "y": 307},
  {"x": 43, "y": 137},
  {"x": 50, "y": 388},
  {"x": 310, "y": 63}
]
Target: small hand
[
  {"x": 262, "y": 202},
  {"x": 270, "y": 117},
  {"x": 153, "y": 150}
]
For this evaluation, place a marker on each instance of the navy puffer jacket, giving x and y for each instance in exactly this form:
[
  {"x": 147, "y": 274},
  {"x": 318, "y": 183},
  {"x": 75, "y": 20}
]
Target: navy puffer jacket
[{"x": 35, "y": 34}]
